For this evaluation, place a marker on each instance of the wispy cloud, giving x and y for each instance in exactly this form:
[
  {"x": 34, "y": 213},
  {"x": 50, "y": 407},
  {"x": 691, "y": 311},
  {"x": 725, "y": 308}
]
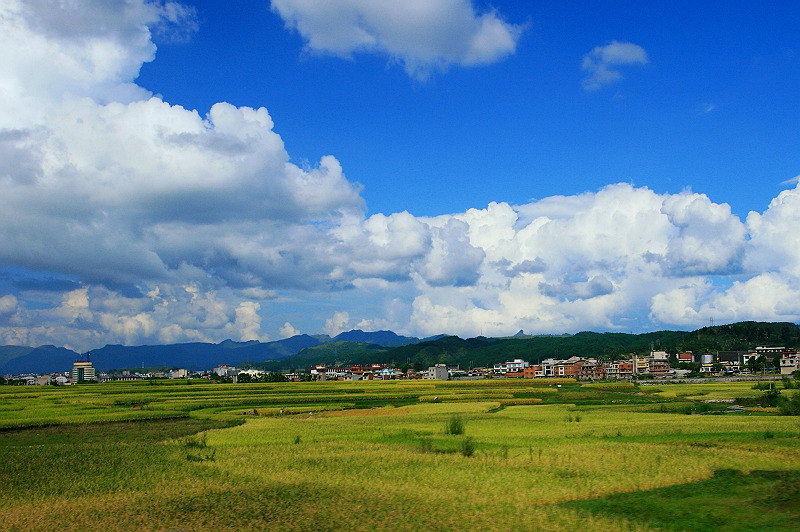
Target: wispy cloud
[{"x": 602, "y": 64}]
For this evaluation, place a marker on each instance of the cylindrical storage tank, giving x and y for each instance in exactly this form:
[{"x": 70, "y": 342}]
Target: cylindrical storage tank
[{"x": 707, "y": 358}]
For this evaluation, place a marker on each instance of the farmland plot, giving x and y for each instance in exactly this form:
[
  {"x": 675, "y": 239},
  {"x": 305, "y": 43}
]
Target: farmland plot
[{"x": 367, "y": 456}]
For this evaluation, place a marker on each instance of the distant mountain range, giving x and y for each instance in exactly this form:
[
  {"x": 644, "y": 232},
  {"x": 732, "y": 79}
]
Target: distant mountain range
[
  {"x": 192, "y": 356},
  {"x": 358, "y": 347}
]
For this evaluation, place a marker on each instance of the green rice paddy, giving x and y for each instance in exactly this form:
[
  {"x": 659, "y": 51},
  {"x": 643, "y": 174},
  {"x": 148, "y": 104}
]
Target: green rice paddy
[{"x": 169, "y": 455}]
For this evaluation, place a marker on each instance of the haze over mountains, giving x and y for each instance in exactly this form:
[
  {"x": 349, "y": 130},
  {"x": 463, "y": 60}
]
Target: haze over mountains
[{"x": 193, "y": 356}]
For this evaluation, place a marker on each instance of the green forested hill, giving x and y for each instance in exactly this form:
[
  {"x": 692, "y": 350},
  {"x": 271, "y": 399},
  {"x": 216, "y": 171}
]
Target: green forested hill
[
  {"x": 331, "y": 354},
  {"x": 741, "y": 336},
  {"x": 482, "y": 351},
  {"x": 10, "y": 352}
]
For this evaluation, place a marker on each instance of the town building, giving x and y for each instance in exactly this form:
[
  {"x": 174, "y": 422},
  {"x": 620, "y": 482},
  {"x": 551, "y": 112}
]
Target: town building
[
  {"x": 789, "y": 362},
  {"x": 514, "y": 366},
  {"x": 591, "y": 368},
  {"x": 658, "y": 363},
  {"x": 438, "y": 372},
  {"x": 769, "y": 352},
  {"x": 733, "y": 361},
  {"x": 83, "y": 370}
]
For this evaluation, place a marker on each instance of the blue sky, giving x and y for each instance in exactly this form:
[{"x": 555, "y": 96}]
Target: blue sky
[
  {"x": 714, "y": 109},
  {"x": 251, "y": 170}
]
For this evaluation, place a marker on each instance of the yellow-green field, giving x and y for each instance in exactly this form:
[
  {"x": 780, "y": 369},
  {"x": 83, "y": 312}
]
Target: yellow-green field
[
  {"x": 376, "y": 456},
  {"x": 710, "y": 391}
]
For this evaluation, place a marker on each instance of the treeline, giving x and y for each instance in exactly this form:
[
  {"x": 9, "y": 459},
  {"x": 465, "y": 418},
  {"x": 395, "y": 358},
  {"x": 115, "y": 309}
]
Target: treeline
[
  {"x": 331, "y": 354},
  {"x": 482, "y": 351}
]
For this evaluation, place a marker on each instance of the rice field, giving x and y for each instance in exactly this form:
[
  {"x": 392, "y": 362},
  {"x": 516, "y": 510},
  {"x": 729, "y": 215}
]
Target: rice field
[{"x": 378, "y": 456}]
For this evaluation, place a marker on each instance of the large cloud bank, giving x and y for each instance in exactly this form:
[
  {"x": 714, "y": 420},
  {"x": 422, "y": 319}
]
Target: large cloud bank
[{"x": 125, "y": 219}]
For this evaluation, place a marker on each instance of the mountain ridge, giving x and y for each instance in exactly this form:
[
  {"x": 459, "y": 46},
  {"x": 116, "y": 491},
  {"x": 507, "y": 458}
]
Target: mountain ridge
[
  {"x": 189, "y": 355},
  {"x": 358, "y": 346}
]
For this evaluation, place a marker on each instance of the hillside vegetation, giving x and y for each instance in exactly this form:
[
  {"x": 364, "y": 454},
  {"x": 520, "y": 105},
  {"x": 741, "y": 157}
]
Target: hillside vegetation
[{"x": 482, "y": 351}]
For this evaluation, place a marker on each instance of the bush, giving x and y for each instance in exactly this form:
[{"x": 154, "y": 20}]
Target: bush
[
  {"x": 790, "y": 406},
  {"x": 467, "y": 447},
  {"x": 197, "y": 448},
  {"x": 426, "y": 445},
  {"x": 454, "y": 426},
  {"x": 770, "y": 398}
]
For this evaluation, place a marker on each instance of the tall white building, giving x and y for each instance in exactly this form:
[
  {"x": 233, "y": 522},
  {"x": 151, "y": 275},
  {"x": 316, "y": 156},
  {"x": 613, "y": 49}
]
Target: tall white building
[{"x": 83, "y": 370}]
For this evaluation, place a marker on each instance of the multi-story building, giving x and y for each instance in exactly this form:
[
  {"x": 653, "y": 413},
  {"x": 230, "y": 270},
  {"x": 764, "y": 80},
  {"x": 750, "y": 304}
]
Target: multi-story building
[
  {"x": 789, "y": 362},
  {"x": 531, "y": 372},
  {"x": 224, "y": 370},
  {"x": 549, "y": 368},
  {"x": 83, "y": 370},
  {"x": 438, "y": 372},
  {"x": 612, "y": 370},
  {"x": 658, "y": 363},
  {"x": 640, "y": 365},
  {"x": 591, "y": 368},
  {"x": 769, "y": 352},
  {"x": 515, "y": 366}
]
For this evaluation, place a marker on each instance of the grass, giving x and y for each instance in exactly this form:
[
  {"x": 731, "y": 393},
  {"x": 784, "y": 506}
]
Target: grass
[
  {"x": 454, "y": 426},
  {"x": 379, "y": 458},
  {"x": 771, "y": 500}
]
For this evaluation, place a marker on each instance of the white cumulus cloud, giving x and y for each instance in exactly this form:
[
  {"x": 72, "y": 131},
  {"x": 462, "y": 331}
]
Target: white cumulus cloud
[
  {"x": 423, "y": 35},
  {"x": 288, "y": 330},
  {"x": 339, "y": 322},
  {"x": 248, "y": 322},
  {"x": 128, "y": 219}
]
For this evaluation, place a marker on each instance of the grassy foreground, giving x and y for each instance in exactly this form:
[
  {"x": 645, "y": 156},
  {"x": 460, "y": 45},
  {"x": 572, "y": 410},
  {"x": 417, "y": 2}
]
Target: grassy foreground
[{"x": 488, "y": 455}]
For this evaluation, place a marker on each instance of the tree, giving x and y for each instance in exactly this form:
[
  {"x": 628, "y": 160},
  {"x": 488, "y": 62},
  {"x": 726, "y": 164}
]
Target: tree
[
  {"x": 771, "y": 397},
  {"x": 790, "y": 406},
  {"x": 757, "y": 363}
]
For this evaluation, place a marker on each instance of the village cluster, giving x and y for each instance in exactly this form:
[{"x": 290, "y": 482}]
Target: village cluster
[{"x": 657, "y": 364}]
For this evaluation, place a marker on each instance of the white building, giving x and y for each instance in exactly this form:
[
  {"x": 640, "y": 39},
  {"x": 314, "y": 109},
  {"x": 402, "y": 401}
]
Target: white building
[
  {"x": 789, "y": 362},
  {"x": 83, "y": 370},
  {"x": 251, "y": 372},
  {"x": 224, "y": 370},
  {"x": 515, "y": 366},
  {"x": 439, "y": 372}
]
